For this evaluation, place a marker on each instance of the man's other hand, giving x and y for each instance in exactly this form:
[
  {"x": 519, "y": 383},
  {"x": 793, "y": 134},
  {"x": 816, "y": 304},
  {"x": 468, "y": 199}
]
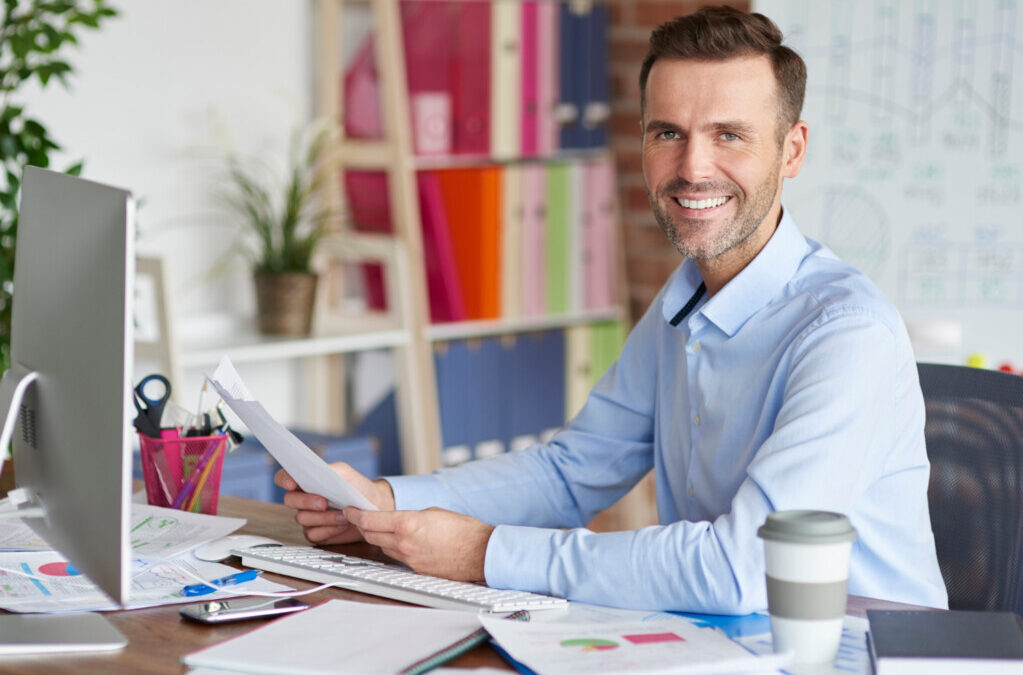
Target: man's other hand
[
  {"x": 323, "y": 525},
  {"x": 435, "y": 541}
]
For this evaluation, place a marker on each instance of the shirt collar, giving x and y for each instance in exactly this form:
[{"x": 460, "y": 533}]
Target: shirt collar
[
  {"x": 683, "y": 283},
  {"x": 751, "y": 289}
]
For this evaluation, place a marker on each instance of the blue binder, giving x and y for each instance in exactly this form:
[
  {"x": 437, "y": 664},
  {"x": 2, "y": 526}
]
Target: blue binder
[
  {"x": 381, "y": 423},
  {"x": 598, "y": 90},
  {"x": 535, "y": 392},
  {"x": 572, "y": 57},
  {"x": 497, "y": 389},
  {"x": 459, "y": 387}
]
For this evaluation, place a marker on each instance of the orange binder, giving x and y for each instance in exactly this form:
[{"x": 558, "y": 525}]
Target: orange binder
[{"x": 472, "y": 201}]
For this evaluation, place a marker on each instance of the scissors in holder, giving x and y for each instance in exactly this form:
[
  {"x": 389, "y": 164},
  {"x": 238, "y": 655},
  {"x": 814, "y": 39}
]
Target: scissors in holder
[{"x": 150, "y": 410}]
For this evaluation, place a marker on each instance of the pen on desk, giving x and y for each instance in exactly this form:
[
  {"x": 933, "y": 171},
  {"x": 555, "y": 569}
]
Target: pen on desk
[{"x": 212, "y": 586}]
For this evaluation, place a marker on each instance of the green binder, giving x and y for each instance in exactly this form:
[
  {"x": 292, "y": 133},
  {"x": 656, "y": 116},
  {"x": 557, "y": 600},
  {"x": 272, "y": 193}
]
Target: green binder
[
  {"x": 608, "y": 338},
  {"x": 559, "y": 210}
]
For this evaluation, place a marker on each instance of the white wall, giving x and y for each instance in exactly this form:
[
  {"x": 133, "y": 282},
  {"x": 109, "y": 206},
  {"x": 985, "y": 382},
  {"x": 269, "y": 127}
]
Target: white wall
[{"x": 159, "y": 95}]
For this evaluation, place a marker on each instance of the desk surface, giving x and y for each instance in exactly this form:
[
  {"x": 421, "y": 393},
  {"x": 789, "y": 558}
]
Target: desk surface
[{"x": 159, "y": 637}]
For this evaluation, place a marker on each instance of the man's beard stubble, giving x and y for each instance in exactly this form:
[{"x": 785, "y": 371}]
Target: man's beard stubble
[{"x": 741, "y": 227}]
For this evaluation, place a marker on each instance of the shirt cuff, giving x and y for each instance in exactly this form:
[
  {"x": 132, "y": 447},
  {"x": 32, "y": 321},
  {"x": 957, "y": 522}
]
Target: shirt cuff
[
  {"x": 413, "y": 493},
  {"x": 519, "y": 558}
]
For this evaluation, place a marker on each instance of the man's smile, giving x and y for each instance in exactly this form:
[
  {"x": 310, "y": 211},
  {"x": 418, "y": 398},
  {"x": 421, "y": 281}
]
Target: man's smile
[{"x": 701, "y": 207}]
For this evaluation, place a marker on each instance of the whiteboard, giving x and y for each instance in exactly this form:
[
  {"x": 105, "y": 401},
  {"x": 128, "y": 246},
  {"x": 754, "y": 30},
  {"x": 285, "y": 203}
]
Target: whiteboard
[{"x": 914, "y": 171}]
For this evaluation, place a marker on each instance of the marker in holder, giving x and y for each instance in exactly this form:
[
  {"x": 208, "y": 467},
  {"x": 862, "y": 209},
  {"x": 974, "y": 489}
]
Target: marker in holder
[{"x": 183, "y": 472}]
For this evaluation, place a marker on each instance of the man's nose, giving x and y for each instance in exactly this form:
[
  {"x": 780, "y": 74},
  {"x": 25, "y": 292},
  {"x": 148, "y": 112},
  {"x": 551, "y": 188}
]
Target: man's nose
[{"x": 696, "y": 161}]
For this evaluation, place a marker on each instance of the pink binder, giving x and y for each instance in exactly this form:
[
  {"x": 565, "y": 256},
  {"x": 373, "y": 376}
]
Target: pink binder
[
  {"x": 534, "y": 240},
  {"x": 446, "y": 301},
  {"x": 600, "y": 269},
  {"x": 428, "y": 29},
  {"x": 548, "y": 93},
  {"x": 471, "y": 79},
  {"x": 530, "y": 75}
]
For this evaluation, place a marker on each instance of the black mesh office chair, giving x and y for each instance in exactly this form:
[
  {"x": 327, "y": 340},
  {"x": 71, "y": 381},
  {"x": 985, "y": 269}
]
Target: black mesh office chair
[{"x": 974, "y": 433}]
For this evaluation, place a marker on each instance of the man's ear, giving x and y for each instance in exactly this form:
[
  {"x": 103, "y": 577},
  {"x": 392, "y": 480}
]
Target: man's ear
[{"x": 794, "y": 149}]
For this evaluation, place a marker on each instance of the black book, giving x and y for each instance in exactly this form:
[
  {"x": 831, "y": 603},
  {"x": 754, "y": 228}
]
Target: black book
[{"x": 905, "y": 642}]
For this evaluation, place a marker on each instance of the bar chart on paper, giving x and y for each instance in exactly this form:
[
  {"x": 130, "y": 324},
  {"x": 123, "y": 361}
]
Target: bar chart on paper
[
  {"x": 589, "y": 644},
  {"x": 664, "y": 643}
]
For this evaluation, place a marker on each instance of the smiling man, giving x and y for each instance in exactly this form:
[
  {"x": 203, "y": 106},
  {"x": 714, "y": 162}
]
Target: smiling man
[{"x": 766, "y": 375}]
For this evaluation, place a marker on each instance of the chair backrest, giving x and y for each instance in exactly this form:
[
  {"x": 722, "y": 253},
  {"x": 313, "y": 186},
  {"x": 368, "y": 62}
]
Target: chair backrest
[{"x": 974, "y": 432}]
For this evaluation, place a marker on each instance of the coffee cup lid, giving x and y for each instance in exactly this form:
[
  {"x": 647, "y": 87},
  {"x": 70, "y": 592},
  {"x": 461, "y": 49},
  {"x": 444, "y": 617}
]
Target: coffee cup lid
[{"x": 807, "y": 527}]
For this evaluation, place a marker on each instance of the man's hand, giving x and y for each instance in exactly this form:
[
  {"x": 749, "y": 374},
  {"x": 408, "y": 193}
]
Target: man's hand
[
  {"x": 328, "y": 526},
  {"x": 435, "y": 541}
]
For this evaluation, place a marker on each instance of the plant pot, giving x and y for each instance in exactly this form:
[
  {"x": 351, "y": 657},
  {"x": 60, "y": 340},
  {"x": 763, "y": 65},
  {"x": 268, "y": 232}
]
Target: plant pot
[{"x": 285, "y": 302}]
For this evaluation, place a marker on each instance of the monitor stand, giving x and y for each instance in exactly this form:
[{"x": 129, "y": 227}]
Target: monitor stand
[
  {"x": 51, "y": 633},
  {"x": 42, "y": 633}
]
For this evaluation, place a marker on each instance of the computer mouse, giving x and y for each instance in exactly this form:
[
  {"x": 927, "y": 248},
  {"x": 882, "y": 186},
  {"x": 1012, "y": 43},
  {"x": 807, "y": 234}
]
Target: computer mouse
[{"x": 220, "y": 549}]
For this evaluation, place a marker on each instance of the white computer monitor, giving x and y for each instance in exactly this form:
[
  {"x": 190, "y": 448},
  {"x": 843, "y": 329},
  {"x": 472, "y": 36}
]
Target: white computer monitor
[{"x": 66, "y": 401}]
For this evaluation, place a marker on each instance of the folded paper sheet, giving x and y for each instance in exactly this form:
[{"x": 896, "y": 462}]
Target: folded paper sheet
[{"x": 311, "y": 473}]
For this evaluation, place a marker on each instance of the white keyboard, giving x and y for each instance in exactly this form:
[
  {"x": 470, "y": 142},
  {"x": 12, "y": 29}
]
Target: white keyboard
[{"x": 391, "y": 581}]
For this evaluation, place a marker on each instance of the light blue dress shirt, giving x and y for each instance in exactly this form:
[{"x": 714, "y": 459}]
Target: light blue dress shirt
[{"x": 794, "y": 387}]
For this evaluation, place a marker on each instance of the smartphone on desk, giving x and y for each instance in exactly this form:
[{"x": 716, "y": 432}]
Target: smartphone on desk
[{"x": 240, "y": 609}]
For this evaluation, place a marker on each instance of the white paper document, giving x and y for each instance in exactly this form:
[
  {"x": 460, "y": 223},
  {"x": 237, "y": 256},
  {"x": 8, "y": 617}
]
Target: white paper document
[
  {"x": 340, "y": 637},
  {"x": 665, "y": 645},
  {"x": 15, "y": 535},
  {"x": 311, "y": 473},
  {"x": 46, "y": 582},
  {"x": 853, "y": 657},
  {"x": 156, "y": 532}
]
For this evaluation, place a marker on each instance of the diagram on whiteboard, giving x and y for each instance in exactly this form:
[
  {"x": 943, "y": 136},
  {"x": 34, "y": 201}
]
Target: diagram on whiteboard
[
  {"x": 914, "y": 171},
  {"x": 852, "y": 222}
]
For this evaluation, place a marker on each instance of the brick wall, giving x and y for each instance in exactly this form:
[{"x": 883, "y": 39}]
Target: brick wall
[{"x": 649, "y": 256}]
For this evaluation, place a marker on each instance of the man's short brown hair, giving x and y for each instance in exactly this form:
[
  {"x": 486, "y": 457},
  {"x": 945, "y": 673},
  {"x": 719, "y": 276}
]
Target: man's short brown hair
[{"x": 719, "y": 33}]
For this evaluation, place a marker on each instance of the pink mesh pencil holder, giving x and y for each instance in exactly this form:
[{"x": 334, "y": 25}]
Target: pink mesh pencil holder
[{"x": 183, "y": 473}]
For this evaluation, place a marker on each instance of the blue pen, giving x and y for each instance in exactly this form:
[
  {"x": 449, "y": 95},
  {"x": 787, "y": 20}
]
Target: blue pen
[{"x": 229, "y": 580}]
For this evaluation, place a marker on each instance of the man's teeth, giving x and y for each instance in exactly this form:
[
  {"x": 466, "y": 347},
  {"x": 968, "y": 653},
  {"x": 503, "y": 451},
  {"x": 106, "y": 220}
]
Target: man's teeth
[{"x": 701, "y": 203}]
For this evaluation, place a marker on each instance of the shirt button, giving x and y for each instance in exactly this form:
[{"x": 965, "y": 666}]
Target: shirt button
[
  {"x": 697, "y": 346},
  {"x": 696, "y": 420}
]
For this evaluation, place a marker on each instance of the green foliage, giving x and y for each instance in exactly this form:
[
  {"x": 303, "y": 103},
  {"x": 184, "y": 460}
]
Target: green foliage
[
  {"x": 281, "y": 223},
  {"x": 35, "y": 37}
]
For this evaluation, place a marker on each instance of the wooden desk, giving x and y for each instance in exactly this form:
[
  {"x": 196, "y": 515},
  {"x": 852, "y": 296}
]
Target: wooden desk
[{"x": 159, "y": 637}]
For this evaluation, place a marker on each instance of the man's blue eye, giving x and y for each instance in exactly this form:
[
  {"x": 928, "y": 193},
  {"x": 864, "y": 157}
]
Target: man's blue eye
[
  {"x": 667, "y": 135},
  {"x": 729, "y": 136}
]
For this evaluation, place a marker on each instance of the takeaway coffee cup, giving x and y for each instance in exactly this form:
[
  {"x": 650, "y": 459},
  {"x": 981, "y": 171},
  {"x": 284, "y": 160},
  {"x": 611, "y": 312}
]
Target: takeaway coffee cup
[{"x": 807, "y": 556}]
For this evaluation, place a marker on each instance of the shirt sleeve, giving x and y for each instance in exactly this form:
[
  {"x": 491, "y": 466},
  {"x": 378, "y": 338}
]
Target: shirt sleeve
[
  {"x": 830, "y": 442},
  {"x": 585, "y": 468}
]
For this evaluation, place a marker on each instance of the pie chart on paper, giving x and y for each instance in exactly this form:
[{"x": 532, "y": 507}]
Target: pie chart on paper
[
  {"x": 59, "y": 569},
  {"x": 590, "y": 644}
]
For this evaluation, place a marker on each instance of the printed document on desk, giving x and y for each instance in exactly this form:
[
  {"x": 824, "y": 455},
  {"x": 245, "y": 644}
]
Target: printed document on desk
[
  {"x": 44, "y": 581},
  {"x": 852, "y": 659},
  {"x": 310, "y": 471},
  {"x": 664, "y": 645},
  {"x": 156, "y": 532}
]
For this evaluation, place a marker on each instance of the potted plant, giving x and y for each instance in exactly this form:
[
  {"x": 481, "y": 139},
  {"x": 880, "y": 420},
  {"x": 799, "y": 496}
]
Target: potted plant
[{"x": 281, "y": 224}]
